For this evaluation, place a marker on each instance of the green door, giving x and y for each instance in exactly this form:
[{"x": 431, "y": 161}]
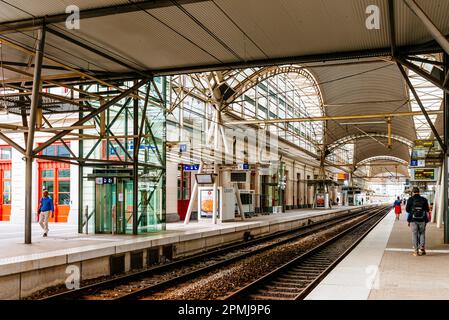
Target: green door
[
  {"x": 113, "y": 207},
  {"x": 105, "y": 204}
]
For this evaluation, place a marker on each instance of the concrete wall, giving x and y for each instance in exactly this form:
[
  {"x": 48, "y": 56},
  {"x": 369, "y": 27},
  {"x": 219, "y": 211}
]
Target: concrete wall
[{"x": 20, "y": 279}]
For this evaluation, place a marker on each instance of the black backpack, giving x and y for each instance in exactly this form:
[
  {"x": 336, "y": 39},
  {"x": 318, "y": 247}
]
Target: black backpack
[{"x": 418, "y": 212}]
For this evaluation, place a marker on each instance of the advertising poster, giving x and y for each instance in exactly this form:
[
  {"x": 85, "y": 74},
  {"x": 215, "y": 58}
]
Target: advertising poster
[
  {"x": 206, "y": 202},
  {"x": 320, "y": 200}
]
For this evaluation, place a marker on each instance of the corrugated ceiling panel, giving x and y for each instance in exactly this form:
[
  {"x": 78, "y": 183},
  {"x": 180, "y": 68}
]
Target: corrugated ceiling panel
[
  {"x": 40, "y": 8},
  {"x": 365, "y": 149},
  {"x": 400, "y": 169},
  {"x": 141, "y": 38},
  {"x": 281, "y": 28},
  {"x": 184, "y": 25},
  {"x": 9, "y": 13},
  {"x": 65, "y": 52},
  {"x": 291, "y": 27},
  {"x": 351, "y": 89},
  {"x": 215, "y": 20},
  {"x": 411, "y": 30}
]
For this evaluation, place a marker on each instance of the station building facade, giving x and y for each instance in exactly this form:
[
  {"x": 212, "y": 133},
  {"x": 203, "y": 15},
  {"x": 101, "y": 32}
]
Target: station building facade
[{"x": 281, "y": 159}]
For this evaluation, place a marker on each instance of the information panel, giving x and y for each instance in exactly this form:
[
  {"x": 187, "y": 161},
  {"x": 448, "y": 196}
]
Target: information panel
[{"x": 424, "y": 174}]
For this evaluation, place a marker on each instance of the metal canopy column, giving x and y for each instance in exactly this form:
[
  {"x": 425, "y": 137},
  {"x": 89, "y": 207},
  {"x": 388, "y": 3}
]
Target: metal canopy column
[
  {"x": 136, "y": 146},
  {"x": 35, "y": 97},
  {"x": 445, "y": 159}
]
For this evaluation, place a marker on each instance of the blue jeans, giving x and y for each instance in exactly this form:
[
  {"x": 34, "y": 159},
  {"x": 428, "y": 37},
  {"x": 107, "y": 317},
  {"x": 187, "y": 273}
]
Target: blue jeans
[{"x": 418, "y": 234}]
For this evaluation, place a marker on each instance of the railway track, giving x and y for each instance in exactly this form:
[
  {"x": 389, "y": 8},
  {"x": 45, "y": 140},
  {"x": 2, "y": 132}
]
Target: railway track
[
  {"x": 150, "y": 281},
  {"x": 295, "y": 279}
]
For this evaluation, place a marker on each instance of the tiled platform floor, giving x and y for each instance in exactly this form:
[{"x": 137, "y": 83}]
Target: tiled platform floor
[
  {"x": 383, "y": 267},
  {"x": 64, "y": 238}
]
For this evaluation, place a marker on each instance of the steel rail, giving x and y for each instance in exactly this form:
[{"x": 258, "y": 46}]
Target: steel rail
[
  {"x": 245, "y": 291},
  {"x": 157, "y": 270}
]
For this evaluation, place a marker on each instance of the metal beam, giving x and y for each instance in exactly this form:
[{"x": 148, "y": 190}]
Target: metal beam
[
  {"x": 371, "y": 164},
  {"x": 422, "y": 73},
  {"x": 430, "y": 47},
  {"x": 12, "y": 143},
  {"x": 62, "y": 140},
  {"x": 32, "y": 125},
  {"x": 419, "y": 59},
  {"x": 424, "y": 111},
  {"x": 392, "y": 22},
  {"x": 436, "y": 34},
  {"x": 91, "y": 115},
  {"x": 92, "y": 13},
  {"x": 325, "y": 118},
  {"x": 84, "y": 161},
  {"x": 96, "y": 51},
  {"x": 82, "y": 73}
]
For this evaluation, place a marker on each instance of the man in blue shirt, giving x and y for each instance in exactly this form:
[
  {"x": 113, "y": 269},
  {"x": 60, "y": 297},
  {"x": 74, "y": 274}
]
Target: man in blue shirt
[{"x": 46, "y": 206}]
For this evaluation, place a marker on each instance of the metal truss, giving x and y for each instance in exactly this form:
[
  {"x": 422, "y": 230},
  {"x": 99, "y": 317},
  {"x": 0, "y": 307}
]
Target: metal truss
[
  {"x": 99, "y": 104},
  {"x": 354, "y": 137}
]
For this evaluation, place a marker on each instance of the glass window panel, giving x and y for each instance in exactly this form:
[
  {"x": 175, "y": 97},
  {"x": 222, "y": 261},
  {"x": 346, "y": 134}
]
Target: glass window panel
[
  {"x": 64, "y": 186},
  {"x": 7, "y": 186},
  {"x": 47, "y": 185},
  {"x": 64, "y": 199},
  {"x": 6, "y": 198},
  {"x": 64, "y": 173},
  {"x": 7, "y": 174},
  {"x": 47, "y": 173},
  {"x": 63, "y": 151},
  {"x": 49, "y": 151},
  {"x": 6, "y": 154}
]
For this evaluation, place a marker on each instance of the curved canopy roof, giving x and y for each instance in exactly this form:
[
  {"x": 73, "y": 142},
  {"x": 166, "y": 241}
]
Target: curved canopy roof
[
  {"x": 158, "y": 37},
  {"x": 195, "y": 35}
]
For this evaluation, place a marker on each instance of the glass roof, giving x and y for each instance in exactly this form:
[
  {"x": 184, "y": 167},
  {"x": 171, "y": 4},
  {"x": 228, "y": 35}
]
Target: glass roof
[{"x": 430, "y": 95}]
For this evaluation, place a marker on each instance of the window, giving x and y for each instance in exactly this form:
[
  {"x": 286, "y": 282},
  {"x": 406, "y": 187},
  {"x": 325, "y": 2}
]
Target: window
[
  {"x": 7, "y": 187},
  {"x": 49, "y": 151},
  {"x": 63, "y": 151},
  {"x": 47, "y": 173},
  {"x": 64, "y": 187},
  {"x": 5, "y": 153},
  {"x": 56, "y": 150}
]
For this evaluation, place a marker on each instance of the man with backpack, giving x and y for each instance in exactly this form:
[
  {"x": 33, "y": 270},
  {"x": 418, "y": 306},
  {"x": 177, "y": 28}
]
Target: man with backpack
[{"x": 417, "y": 217}]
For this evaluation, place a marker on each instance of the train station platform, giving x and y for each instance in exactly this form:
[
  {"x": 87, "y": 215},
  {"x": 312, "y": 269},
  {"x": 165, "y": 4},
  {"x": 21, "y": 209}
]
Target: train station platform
[
  {"x": 26, "y": 269},
  {"x": 382, "y": 267}
]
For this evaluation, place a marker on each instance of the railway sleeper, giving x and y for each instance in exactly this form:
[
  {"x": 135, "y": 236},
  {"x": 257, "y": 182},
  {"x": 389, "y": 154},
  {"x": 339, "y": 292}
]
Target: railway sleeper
[
  {"x": 297, "y": 289},
  {"x": 282, "y": 295}
]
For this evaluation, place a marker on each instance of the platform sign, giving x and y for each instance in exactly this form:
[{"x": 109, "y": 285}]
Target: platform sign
[
  {"x": 419, "y": 153},
  {"x": 427, "y": 174},
  {"x": 142, "y": 146},
  {"x": 423, "y": 143},
  {"x": 417, "y": 163},
  {"x": 108, "y": 180},
  {"x": 191, "y": 167},
  {"x": 104, "y": 180}
]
